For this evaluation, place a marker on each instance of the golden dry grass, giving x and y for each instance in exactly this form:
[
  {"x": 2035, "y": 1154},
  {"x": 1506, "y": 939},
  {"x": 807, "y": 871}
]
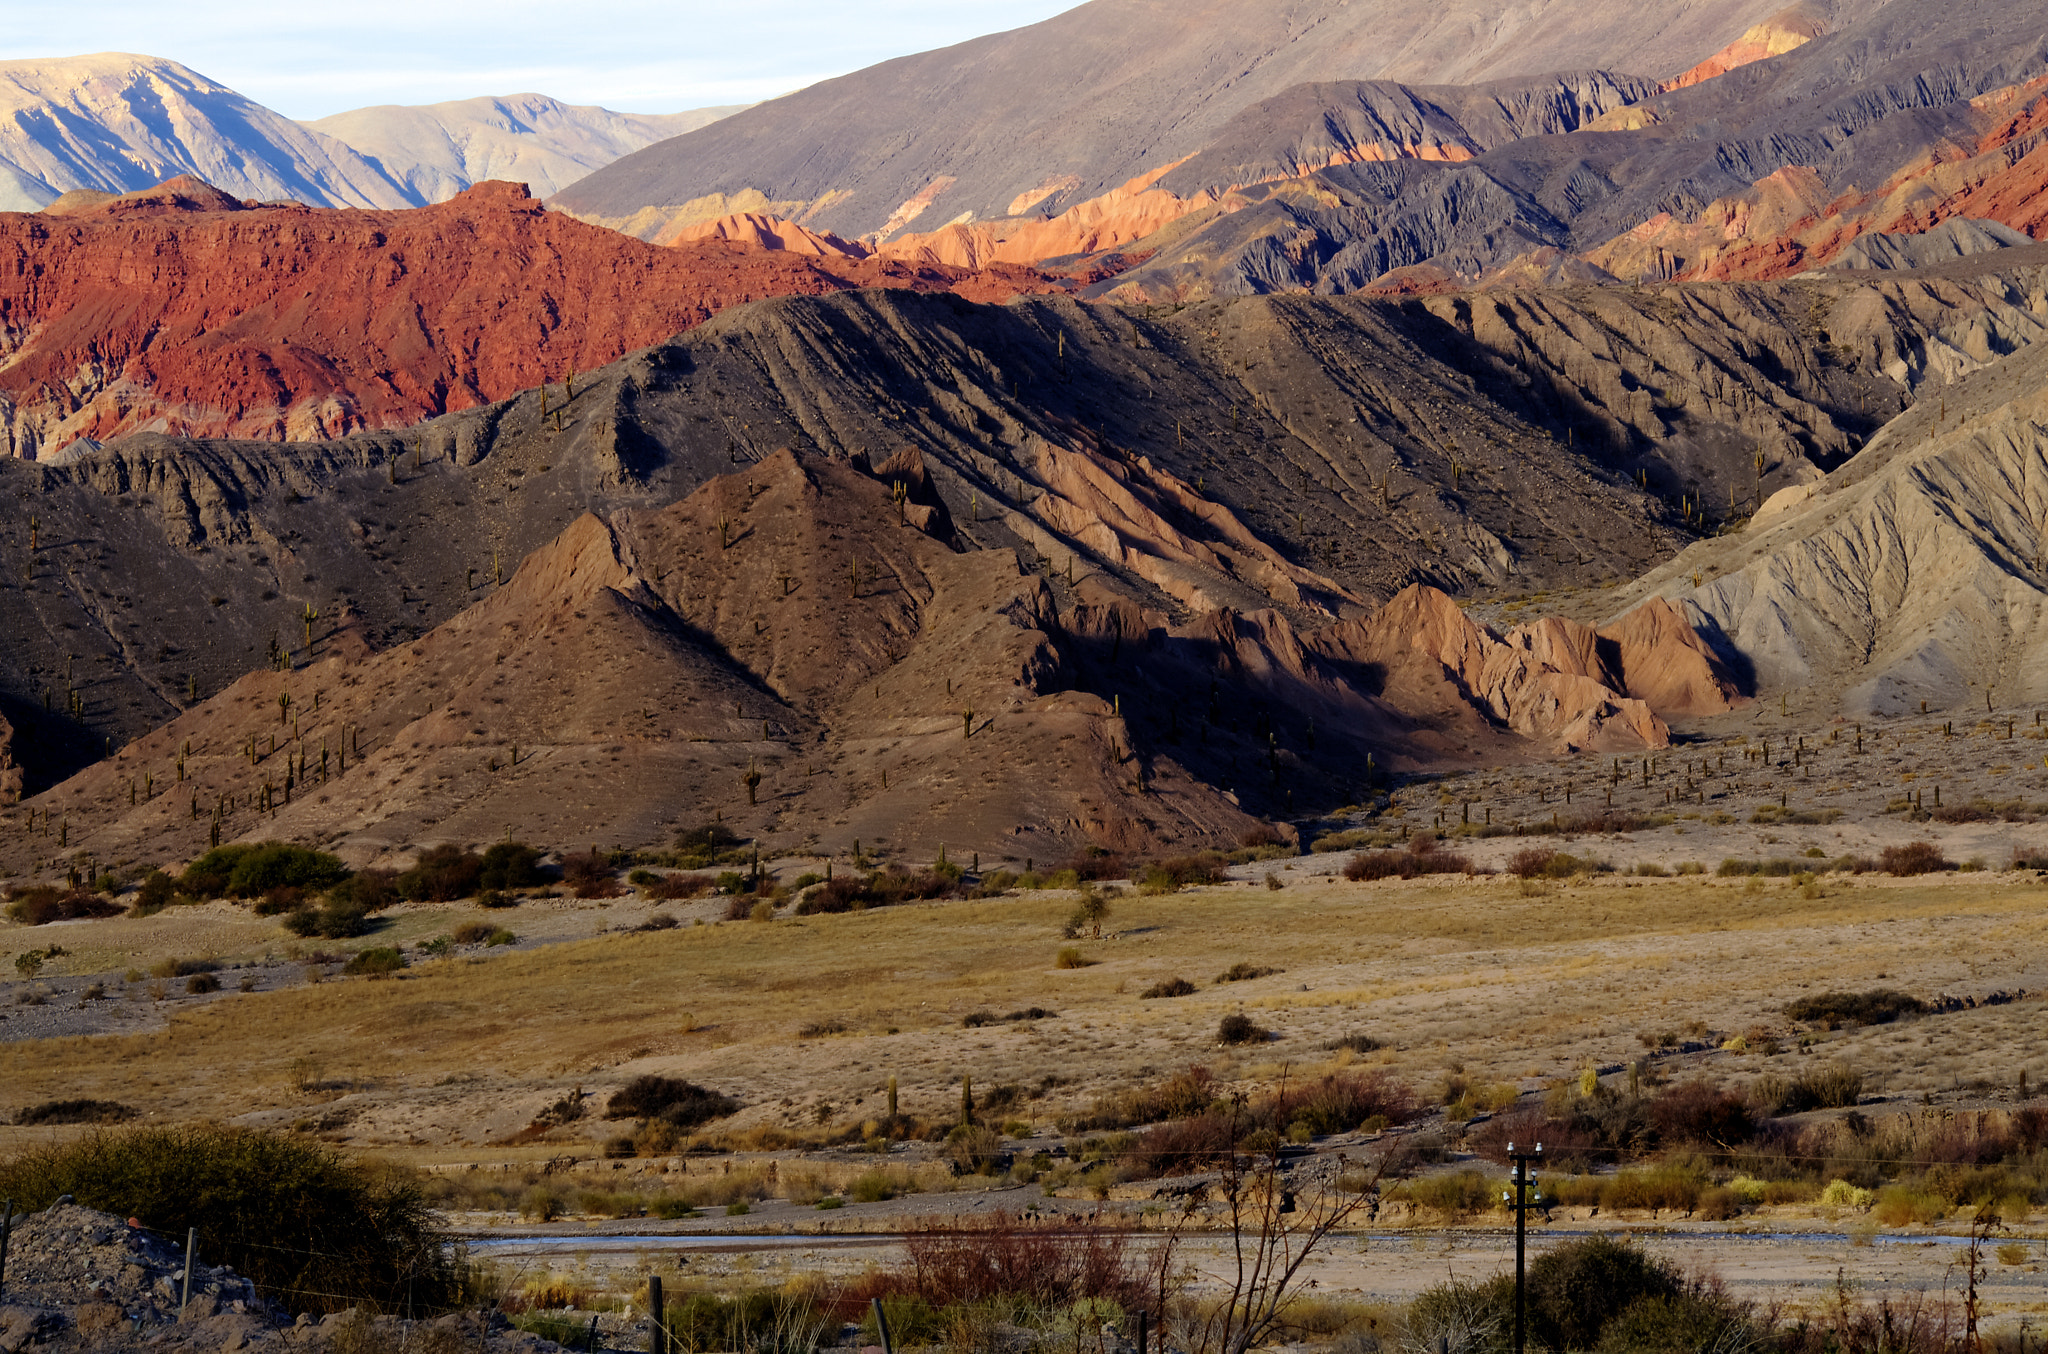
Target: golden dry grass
[{"x": 1472, "y": 974}]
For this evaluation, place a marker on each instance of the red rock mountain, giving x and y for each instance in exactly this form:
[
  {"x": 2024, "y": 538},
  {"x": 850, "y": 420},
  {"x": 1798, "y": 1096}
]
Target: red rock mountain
[{"x": 181, "y": 309}]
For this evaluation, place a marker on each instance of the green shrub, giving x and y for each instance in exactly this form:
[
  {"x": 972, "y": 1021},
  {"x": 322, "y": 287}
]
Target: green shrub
[
  {"x": 872, "y": 1187},
  {"x": 1775, "y": 815},
  {"x": 1542, "y": 862},
  {"x": 1353, "y": 839},
  {"x": 1454, "y": 1194},
  {"x": 1775, "y": 868},
  {"x": 1575, "y": 1290},
  {"x": 156, "y": 892},
  {"x": 252, "y": 869},
  {"x": 40, "y": 904},
  {"x": 442, "y": 874},
  {"x": 1693, "y": 1318},
  {"x": 1238, "y": 1028},
  {"x": 207, "y": 877},
  {"x": 311, "y": 1228},
  {"x": 330, "y": 921},
  {"x": 1913, "y": 858},
  {"x": 511, "y": 865},
  {"x": 1833, "y": 1086},
  {"x": 756, "y": 1322},
  {"x": 564, "y": 1328},
  {"x": 375, "y": 962},
  {"x": 1902, "y": 1205},
  {"x": 500, "y": 936},
  {"x": 366, "y": 891},
  {"x": 1658, "y": 1188},
  {"x": 1474, "y": 1318},
  {"x": 883, "y": 888},
  {"x": 1171, "y": 876},
  {"x": 1842, "y": 1194}
]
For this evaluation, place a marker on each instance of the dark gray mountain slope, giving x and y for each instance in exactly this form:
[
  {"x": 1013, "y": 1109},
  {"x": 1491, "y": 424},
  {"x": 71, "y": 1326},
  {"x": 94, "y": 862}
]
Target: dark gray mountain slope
[
  {"x": 1493, "y": 444},
  {"x": 1113, "y": 89}
]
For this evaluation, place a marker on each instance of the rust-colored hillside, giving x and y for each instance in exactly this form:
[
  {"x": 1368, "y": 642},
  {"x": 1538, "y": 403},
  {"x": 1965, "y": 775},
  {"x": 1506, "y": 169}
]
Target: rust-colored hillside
[
  {"x": 182, "y": 310},
  {"x": 811, "y": 651}
]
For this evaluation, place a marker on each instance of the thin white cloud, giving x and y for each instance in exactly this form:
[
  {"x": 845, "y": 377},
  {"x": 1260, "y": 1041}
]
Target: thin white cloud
[{"x": 637, "y": 55}]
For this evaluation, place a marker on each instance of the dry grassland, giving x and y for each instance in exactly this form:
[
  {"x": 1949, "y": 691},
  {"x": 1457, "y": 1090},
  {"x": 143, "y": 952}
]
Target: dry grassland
[{"x": 1476, "y": 975}]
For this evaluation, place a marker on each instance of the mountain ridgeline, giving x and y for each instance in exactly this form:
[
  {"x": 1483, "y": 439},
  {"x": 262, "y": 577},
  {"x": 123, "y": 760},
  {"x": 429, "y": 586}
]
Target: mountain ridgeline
[{"x": 1218, "y": 543}]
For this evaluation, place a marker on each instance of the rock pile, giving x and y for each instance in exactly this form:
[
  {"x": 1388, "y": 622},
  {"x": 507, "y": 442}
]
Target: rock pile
[{"x": 79, "y": 1279}]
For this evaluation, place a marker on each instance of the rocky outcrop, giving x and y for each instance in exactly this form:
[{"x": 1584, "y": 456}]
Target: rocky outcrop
[
  {"x": 1661, "y": 660},
  {"x": 1125, "y": 514},
  {"x": 81, "y": 1280},
  {"x": 10, "y": 771},
  {"x": 1537, "y": 681},
  {"x": 770, "y": 232},
  {"x": 181, "y": 309}
]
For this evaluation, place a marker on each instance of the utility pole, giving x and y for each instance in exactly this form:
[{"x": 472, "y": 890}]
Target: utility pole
[{"x": 1522, "y": 1177}]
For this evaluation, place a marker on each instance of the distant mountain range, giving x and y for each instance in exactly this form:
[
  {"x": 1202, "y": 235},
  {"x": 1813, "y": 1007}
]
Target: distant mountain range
[
  {"x": 1235, "y": 148},
  {"x": 114, "y": 122},
  {"x": 1034, "y": 121}
]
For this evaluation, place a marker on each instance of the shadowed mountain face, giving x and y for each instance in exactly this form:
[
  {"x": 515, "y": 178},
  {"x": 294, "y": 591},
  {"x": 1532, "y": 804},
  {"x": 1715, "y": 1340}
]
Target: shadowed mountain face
[
  {"x": 711, "y": 660},
  {"x": 1047, "y": 116},
  {"x": 1221, "y": 488}
]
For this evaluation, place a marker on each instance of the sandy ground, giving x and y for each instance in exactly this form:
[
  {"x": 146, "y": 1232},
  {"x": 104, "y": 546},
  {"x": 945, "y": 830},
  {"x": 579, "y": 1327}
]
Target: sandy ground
[{"x": 1483, "y": 978}]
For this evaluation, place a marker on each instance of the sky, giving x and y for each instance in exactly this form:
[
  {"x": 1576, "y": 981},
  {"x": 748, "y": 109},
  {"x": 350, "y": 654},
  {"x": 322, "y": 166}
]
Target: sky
[{"x": 636, "y": 56}]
